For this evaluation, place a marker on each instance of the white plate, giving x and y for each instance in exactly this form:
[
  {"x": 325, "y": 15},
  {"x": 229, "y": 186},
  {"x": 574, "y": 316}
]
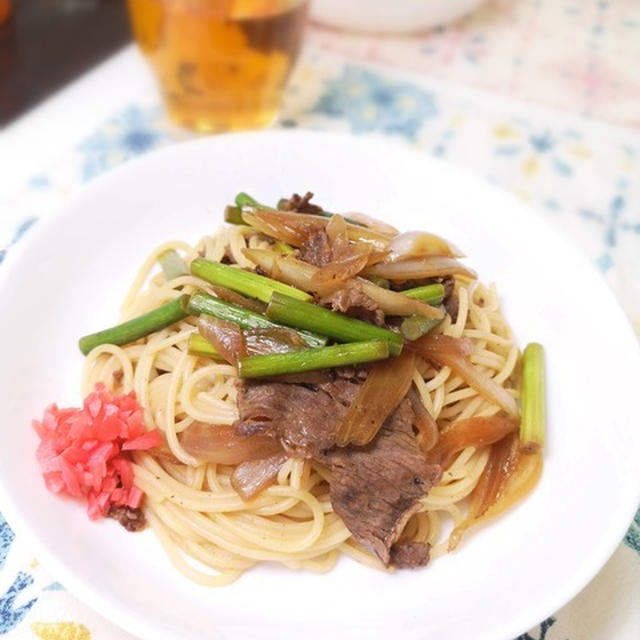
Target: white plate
[{"x": 70, "y": 275}]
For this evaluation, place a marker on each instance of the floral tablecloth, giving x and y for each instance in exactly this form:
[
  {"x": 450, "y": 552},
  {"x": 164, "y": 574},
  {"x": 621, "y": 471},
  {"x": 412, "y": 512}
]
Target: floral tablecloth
[{"x": 583, "y": 175}]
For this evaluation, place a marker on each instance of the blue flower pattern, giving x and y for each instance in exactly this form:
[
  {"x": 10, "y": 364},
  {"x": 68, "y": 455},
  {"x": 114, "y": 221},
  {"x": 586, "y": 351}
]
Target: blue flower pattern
[
  {"x": 545, "y": 625},
  {"x": 132, "y": 132},
  {"x": 10, "y": 615},
  {"x": 23, "y": 227},
  {"x": 6, "y": 538},
  {"x": 614, "y": 224},
  {"x": 632, "y": 539},
  {"x": 371, "y": 103}
]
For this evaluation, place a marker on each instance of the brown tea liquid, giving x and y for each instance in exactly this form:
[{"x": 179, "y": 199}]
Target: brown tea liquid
[{"x": 222, "y": 64}]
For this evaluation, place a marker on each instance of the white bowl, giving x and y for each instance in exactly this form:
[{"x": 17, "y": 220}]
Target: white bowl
[
  {"x": 72, "y": 271},
  {"x": 389, "y": 16}
]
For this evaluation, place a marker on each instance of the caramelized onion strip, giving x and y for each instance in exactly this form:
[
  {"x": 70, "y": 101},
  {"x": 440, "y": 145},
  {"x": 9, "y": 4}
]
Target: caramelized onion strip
[
  {"x": 221, "y": 445},
  {"x": 453, "y": 352},
  {"x": 386, "y": 385},
  {"x": 300, "y": 274},
  {"x": 471, "y": 432},
  {"x": 295, "y": 228},
  {"x": 418, "y": 244},
  {"x": 251, "y": 477},
  {"x": 509, "y": 475},
  {"x": 418, "y": 268},
  {"x": 424, "y": 422}
]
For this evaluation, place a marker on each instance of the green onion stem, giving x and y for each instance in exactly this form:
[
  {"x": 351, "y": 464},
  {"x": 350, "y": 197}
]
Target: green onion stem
[
  {"x": 245, "y": 282},
  {"x": 245, "y": 200},
  {"x": 173, "y": 266},
  {"x": 136, "y": 328},
  {"x": 200, "y": 346},
  {"x": 305, "y": 315},
  {"x": 283, "y": 248},
  {"x": 414, "y": 327},
  {"x": 338, "y": 355},
  {"x": 233, "y": 215},
  {"x": 532, "y": 425},
  {"x": 380, "y": 282},
  {"x": 431, "y": 293},
  {"x": 244, "y": 318}
]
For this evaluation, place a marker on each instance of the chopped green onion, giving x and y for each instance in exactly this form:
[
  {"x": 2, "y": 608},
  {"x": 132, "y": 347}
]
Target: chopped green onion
[
  {"x": 233, "y": 215},
  {"x": 414, "y": 327},
  {"x": 283, "y": 248},
  {"x": 200, "y": 346},
  {"x": 173, "y": 266},
  {"x": 532, "y": 425},
  {"x": 431, "y": 293},
  {"x": 245, "y": 200},
  {"x": 136, "y": 328},
  {"x": 305, "y": 315},
  {"x": 380, "y": 282},
  {"x": 245, "y": 282},
  {"x": 338, "y": 355},
  {"x": 244, "y": 318}
]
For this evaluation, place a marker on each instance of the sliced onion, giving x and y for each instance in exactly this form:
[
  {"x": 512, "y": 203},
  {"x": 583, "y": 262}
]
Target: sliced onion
[
  {"x": 452, "y": 352},
  {"x": 472, "y": 432},
  {"x": 286, "y": 269},
  {"x": 341, "y": 269},
  {"x": 283, "y": 226},
  {"x": 221, "y": 445},
  {"x": 424, "y": 422},
  {"x": 231, "y": 296},
  {"x": 251, "y": 477},
  {"x": 418, "y": 244},
  {"x": 508, "y": 476},
  {"x": 273, "y": 340},
  {"x": 225, "y": 336},
  {"x": 395, "y": 303},
  {"x": 386, "y": 385},
  {"x": 376, "y": 257},
  {"x": 300, "y": 274},
  {"x": 347, "y": 259},
  {"x": 438, "y": 344},
  {"x": 295, "y": 228},
  {"x": 419, "y": 268},
  {"x": 372, "y": 223}
]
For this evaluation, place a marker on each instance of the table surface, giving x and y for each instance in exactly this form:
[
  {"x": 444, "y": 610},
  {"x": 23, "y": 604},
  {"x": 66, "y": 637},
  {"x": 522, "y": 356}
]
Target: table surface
[{"x": 505, "y": 93}]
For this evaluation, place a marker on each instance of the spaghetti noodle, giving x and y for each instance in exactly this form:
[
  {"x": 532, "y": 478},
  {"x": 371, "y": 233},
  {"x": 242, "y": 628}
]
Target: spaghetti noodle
[{"x": 207, "y": 530}]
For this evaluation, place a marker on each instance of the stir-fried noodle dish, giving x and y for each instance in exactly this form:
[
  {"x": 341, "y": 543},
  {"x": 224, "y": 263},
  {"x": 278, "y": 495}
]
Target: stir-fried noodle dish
[{"x": 297, "y": 386}]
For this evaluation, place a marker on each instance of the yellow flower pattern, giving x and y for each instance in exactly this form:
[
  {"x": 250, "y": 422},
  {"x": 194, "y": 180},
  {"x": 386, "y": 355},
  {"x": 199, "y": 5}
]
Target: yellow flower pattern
[{"x": 60, "y": 631}]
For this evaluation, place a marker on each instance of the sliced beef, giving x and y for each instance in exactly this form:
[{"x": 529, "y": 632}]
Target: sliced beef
[
  {"x": 353, "y": 373},
  {"x": 409, "y": 555},
  {"x": 352, "y": 301},
  {"x": 130, "y": 519},
  {"x": 450, "y": 301},
  {"x": 316, "y": 248},
  {"x": 301, "y": 204},
  {"x": 374, "y": 489},
  {"x": 377, "y": 488},
  {"x": 304, "y": 419}
]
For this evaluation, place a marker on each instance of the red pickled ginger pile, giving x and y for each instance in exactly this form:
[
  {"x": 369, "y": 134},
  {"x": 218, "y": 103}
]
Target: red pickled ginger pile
[{"x": 81, "y": 450}]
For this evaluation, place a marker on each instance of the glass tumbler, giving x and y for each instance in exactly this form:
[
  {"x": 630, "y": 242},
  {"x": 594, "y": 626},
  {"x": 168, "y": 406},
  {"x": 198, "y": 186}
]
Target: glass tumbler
[{"x": 221, "y": 64}]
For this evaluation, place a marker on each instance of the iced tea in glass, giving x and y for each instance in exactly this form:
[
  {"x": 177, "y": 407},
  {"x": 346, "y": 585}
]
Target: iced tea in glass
[{"x": 221, "y": 64}]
